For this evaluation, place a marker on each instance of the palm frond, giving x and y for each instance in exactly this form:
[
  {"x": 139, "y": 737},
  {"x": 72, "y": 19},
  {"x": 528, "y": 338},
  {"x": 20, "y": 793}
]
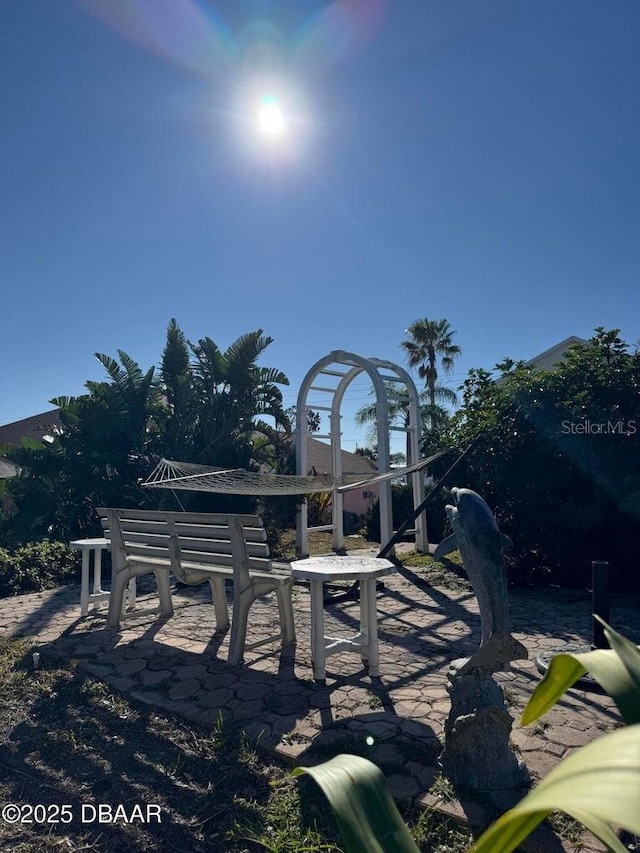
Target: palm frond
[
  {"x": 132, "y": 369},
  {"x": 208, "y": 367},
  {"x": 246, "y": 349},
  {"x": 112, "y": 367}
]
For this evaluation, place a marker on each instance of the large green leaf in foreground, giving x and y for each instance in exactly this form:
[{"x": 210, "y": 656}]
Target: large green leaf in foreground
[
  {"x": 362, "y": 805},
  {"x": 598, "y": 785},
  {"x": 617, "y": 670}
]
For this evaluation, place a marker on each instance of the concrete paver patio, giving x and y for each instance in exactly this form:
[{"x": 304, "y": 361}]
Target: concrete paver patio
[{"x": 179, "y": 665}]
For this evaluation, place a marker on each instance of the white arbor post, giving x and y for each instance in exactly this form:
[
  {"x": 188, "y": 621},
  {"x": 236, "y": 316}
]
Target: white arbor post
[{"x": 353, "y": 365}]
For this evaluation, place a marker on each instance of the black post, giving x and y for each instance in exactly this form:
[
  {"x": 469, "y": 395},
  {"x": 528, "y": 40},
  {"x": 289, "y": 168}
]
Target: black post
[
  {"x": 600, "y": 601},
  {"x": 397, "y": 536}
]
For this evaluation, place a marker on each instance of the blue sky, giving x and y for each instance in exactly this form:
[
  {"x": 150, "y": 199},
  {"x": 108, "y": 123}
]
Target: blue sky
[{"x": 477, "y": 161}]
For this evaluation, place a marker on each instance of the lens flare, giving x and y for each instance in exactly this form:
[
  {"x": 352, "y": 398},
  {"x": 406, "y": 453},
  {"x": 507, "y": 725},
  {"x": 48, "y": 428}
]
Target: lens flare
[
  {"x": 193, "y": 33},
  {"x": 247, "y": 56},
  {"x": 188, "y": 33}
]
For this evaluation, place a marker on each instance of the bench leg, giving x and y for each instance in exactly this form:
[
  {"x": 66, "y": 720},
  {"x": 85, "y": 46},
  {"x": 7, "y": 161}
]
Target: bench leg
[
  {"x": 241, "y": 604},
  {"x": 131, "y": 594},
  {"x": 220, "y": 603},
  {"x": 164, "y": 592},
  {"x": 285, "y": 607},
  {"x": 116, "y": 598}
]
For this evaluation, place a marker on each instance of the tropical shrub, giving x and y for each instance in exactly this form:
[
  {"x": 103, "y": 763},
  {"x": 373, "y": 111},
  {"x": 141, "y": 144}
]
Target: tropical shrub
[
  {"x": 557, "y": 457},
  {"x": 37, "y": 566},
  {"x": 203, "y": 405},
  {"x": 319, "y": 508}
]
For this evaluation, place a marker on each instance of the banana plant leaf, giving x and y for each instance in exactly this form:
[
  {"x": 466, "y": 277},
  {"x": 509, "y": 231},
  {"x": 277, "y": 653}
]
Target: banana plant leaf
[
  {"x": 617, "y": 670},
  {"x": 598, "y": 785},
  {"x": 362, "y": 805}
]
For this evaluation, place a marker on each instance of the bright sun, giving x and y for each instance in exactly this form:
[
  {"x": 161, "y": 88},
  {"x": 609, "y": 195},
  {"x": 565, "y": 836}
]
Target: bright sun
[{"x": 270, "y": 118}]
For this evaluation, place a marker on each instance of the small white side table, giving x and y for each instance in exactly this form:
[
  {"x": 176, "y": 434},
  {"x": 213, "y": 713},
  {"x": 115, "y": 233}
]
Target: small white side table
[
  {"x": 365, "y": 569},
  {"x": 96, "y": 547}
]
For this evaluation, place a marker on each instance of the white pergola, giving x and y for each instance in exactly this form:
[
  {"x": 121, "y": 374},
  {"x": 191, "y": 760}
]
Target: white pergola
[{"x": 331, "y": 376}]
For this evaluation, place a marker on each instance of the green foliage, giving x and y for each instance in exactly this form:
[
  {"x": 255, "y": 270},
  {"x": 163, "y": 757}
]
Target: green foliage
[
  {"x": 319, "y": 508},
  {"x": 598, "y": 785},
  {"x": 402, "y": 507},
  {"x": 205, "y": 406},
  {"x": 434, "y": 417},
  {"x": 37, "y": 566},
  {"x": 429, "y": 348},
  {"x": 558, "y": 458},
  {"x": 97, "y": 457},
  {"x": 216, "y": 404},
  {"x": 362, "y": 805}
]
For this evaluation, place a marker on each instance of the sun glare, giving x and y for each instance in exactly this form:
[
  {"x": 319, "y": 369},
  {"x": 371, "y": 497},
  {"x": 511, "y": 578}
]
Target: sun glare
[{"x": 270, "y": 118}]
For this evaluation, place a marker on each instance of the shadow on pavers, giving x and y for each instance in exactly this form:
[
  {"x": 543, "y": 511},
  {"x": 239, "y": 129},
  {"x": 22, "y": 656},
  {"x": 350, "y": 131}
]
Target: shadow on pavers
[
  {"x": 80, "y": 745},
  {"x": 405, "y": 751}
]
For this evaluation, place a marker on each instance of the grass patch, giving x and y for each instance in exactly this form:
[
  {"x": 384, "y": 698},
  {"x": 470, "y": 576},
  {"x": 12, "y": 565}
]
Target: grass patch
[
  {"x": 567, "y": 828},
  {"x": 447, "y": 572},
  {"x": 319, "y": 544},
  {"x": 437, "y": 834},
  {"x": 67, "y": 739}
]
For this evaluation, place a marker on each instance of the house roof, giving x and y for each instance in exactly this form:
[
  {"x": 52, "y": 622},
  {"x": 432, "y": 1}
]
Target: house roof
[
  {"x": 319, "y": 457},
  {"x": 34, "y": 427},
  {"x": 550, "y": 357}
]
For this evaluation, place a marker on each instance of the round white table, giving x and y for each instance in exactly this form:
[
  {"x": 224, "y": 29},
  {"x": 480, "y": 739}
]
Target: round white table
[{"x": 365, "y": 569}]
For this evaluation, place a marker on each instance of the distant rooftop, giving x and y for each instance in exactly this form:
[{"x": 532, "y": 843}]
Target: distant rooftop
[
  {"x": 35, "y": 427},
  {"x": 550, "y": 357},
  {"x": 319, "y": 457}
]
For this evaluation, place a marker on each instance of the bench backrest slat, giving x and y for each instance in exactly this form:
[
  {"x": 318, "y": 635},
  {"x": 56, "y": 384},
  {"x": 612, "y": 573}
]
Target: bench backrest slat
[{"x": 206, "y": 539}]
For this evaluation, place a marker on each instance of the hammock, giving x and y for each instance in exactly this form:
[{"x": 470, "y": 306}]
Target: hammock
[{"x": 169, "y": 474}]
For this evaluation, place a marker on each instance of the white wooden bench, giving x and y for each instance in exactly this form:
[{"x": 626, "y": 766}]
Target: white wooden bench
[{"x": 196, "y": 548}]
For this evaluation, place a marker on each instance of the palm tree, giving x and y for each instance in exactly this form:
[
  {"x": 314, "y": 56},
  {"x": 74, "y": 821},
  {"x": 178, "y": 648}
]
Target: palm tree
[
  {"x": 398, "y": 409},
  {"x": 432, "y": 415},
  {"x": 431, "y": 342},
  {"x": 132, "y": 394},
  {"x": 179, "y": 410},
  {"x": 233, "y": 393},
  {"x": 207, "y": 406}
]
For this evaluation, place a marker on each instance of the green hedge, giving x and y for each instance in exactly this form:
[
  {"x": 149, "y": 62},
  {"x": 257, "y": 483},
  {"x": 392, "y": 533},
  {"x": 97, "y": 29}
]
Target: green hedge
[
  {"x": 36, "y": 566},
  {"x": 557, "y": 458}
]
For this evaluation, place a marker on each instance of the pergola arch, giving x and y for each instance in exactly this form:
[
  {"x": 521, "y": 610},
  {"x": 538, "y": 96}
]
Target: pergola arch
[{"x": 337, "y": 370}]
